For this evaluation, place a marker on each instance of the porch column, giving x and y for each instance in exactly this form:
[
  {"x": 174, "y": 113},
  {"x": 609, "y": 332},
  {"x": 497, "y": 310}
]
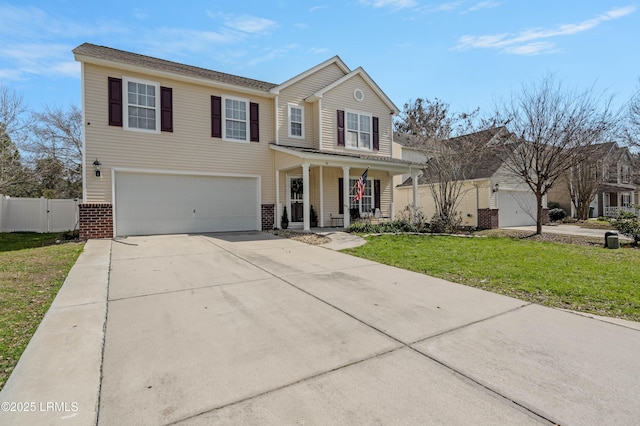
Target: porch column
[
  {"x": 276, "y": 219},
  {"x": 321, "y": 222},
  {"x": 345, "y": 197},
  {"x": 414, "y": 178},
  {"x": 305, "y": 197}
]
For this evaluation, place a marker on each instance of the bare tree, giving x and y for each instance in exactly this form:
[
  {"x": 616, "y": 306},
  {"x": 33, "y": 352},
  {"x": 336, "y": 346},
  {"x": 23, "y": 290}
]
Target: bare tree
[
  {"x": 429, "y": 125},
  {"x": 14, "y": 117},
  {"x": 631, "y": 131},
  {"x": 13, "y": 125},
  {"x": 56, "y": 144},
  {"x": 555, "y": 125},
  {"x": 426, "y": 121},
  {"x": 445, "y": 174},
  {"x": 584, "y": 180}
]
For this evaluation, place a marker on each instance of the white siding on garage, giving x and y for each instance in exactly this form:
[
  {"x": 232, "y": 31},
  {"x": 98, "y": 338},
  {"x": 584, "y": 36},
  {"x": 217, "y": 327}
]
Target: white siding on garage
[
  {"x": 149, "y": 204},
  {"x": 516, "y": 208}
]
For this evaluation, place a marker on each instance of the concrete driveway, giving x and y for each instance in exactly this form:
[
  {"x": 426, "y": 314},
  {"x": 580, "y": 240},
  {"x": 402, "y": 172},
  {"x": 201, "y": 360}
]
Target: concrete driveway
[
  {"x": 248, "y": 328},
  {"x": 568, "y": 230}
]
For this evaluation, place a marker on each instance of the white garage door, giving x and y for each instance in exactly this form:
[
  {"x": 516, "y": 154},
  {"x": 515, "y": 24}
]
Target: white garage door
[
  {"x": 149, "y": 204},
  {"x": 516, "y": 208}
]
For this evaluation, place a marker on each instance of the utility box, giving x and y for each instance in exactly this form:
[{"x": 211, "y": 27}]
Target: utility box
[{"x": 611, "y": 240}]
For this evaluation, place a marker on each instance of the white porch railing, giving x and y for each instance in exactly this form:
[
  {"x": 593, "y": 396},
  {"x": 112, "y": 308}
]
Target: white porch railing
[{"x": 613, "y": 211}]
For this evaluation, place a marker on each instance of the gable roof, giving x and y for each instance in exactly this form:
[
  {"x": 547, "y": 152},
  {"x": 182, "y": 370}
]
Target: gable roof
[
  {"x": 335, "y": 60},
  {"x": 482, "y": 153},
  {"x": 361, "y": 72},
  {"x": 107, "y": 56}
]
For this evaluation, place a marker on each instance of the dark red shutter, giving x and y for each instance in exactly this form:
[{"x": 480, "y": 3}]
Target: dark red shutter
[
  {"x": 340, "y": 196},
  {"x": 376, "y": 193},
  {"x": 376, "y": 135},
  {"x": 115, "y": 102},
  {"x": 340, "y": 128},
  {"x": 254, "y": 123},
  {"x": 166, "y": 109},
  {"x": 216, "y": 117}
]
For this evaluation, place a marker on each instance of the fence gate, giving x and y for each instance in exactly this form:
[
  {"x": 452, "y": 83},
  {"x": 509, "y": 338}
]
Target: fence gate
[{"x": 37, "y": 215}]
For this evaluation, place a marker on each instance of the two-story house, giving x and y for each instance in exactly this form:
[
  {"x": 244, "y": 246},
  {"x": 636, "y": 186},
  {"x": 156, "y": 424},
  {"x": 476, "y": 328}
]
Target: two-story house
[
  {"x": 484, "y": 190},
  {"x": 172, "y": 148},
  {"x": 610, "y": 170}
]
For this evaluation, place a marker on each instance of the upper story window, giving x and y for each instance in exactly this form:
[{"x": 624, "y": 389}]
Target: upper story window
[
  {"x": 235, "y": 119},
  {"x": 142, "y": 111},
  {"x": 358, "y": 131},
  {"x": 625, "y": 175},
  {"x": 296, "y": 121}
]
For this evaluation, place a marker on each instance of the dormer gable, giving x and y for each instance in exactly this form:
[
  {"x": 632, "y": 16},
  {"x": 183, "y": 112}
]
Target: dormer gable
[{"x": 369, "y": 81}]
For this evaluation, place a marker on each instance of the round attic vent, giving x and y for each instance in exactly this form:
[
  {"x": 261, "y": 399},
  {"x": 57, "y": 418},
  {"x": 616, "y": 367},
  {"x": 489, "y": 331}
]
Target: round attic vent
[{"x": 358, "y": 95}]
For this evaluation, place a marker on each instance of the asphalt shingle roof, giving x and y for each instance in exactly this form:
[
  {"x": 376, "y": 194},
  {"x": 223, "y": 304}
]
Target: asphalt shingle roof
[{"x": 128, "y": 58}]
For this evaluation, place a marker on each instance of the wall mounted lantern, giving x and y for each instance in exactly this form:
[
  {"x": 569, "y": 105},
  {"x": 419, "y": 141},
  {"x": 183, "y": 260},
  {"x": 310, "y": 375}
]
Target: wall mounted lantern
[
  {"x": 495, "y": 188},
  {"x": 96, "y": 167}
]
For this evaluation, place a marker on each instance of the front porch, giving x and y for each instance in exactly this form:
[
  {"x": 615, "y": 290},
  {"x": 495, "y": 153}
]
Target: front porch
[
  {"x": 614, "y": 211},
  {"x": 614, "y": 199},
  {"x": 307, "y": 178}
]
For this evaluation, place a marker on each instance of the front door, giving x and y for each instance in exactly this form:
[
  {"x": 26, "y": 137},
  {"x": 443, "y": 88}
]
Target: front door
[{"x": 297, "y": 206}]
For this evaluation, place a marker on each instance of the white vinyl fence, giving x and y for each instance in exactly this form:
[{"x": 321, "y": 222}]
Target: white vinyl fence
[{"x": 37, "y": 215}]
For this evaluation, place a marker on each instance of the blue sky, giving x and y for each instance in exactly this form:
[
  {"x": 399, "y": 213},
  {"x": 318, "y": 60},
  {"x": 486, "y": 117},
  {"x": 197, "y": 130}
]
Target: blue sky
[{"x": 466, "y": 53}]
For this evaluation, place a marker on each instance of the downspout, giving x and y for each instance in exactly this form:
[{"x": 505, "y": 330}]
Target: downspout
[
  {"x": 277, "y": 118},
  {"x": 84, "y": 136}
]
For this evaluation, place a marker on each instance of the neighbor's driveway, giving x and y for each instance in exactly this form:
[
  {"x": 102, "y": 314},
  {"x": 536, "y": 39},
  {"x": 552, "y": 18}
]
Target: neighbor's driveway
[{"x": 248, "y": 328}]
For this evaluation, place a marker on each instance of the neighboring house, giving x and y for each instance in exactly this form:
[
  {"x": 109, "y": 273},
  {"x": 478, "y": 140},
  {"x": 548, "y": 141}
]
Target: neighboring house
[
  {"x": 612, "y": 168},
  {"x": 490, "y": 197},
  {"x": 172, "y": 148}
]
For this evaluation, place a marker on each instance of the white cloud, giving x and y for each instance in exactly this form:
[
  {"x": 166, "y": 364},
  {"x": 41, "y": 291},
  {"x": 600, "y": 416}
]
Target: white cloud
[
  {"x": 317, "y": 8},
  {"x": 319, "y": 50},
  {"x": 39, "y": 60},
  {"x": 250, "y": 24},
  {"x": 526, "y": 41},
  {"x": 532, "y": 48},
  {"x": 483, "y": 5},
  {"x": 394, "y": 4}
]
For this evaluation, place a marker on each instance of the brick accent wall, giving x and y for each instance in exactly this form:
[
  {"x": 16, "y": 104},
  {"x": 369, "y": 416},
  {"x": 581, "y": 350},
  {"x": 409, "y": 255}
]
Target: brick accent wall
[
  {"x": 96, "y": 220},
  {"x": 268, "y": 215},
  {"x": 488, "y": 218}
]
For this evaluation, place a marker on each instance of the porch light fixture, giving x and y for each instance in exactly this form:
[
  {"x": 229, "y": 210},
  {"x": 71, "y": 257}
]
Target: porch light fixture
[
  {"x": 495, "y": 188},
  {"x": 96, "y": 167}
]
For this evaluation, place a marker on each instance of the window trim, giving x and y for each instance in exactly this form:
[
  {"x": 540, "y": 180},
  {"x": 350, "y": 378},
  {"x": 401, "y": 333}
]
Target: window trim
[
  {"x": 125, "y": 99},
  {"x": 625, "y": 174},
  {"x": 369, "y": 182},
  {"x": 301, "y": 108},
  {"x": 347, "y": 130},
  {"x": 247, "y": 119}
]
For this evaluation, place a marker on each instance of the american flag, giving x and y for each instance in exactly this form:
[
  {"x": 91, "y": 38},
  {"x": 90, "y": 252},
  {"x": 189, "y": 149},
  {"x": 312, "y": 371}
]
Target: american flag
[{"x": 360, "y": 184}]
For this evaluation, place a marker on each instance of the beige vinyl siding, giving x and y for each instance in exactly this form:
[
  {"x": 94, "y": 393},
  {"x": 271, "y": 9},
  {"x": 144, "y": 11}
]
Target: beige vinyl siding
[
  {"x": 341, "y": 98},
  {"x": 474, "y": 196},
  {"x": 331, "y": 179},
  {"x": 189, "y": 148},
  {"x": 295, "y": 94}
]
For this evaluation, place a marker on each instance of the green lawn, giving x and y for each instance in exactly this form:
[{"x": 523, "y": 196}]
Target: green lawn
[
  {"x": 21, "y": 240},
  {"x": 588, "y": 279},
  {"x": 29, "y": 281}
]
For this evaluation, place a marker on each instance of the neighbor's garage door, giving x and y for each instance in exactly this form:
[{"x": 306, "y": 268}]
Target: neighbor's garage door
[
  {"x": 516, "y": 208},
  {"x": 149, "y": 204}
]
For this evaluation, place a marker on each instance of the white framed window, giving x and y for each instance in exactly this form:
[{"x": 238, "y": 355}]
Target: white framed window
[
  {"x": 296, "y": 121},
  {"x": 235, "y": 113},
  {"x": 626, "y": 174},
  {"x": 625, "y": 200},
  {"x": 358, "y": 130},
  {"x": 142, "y": 107},
  {"x": 365, "y": 204}
]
